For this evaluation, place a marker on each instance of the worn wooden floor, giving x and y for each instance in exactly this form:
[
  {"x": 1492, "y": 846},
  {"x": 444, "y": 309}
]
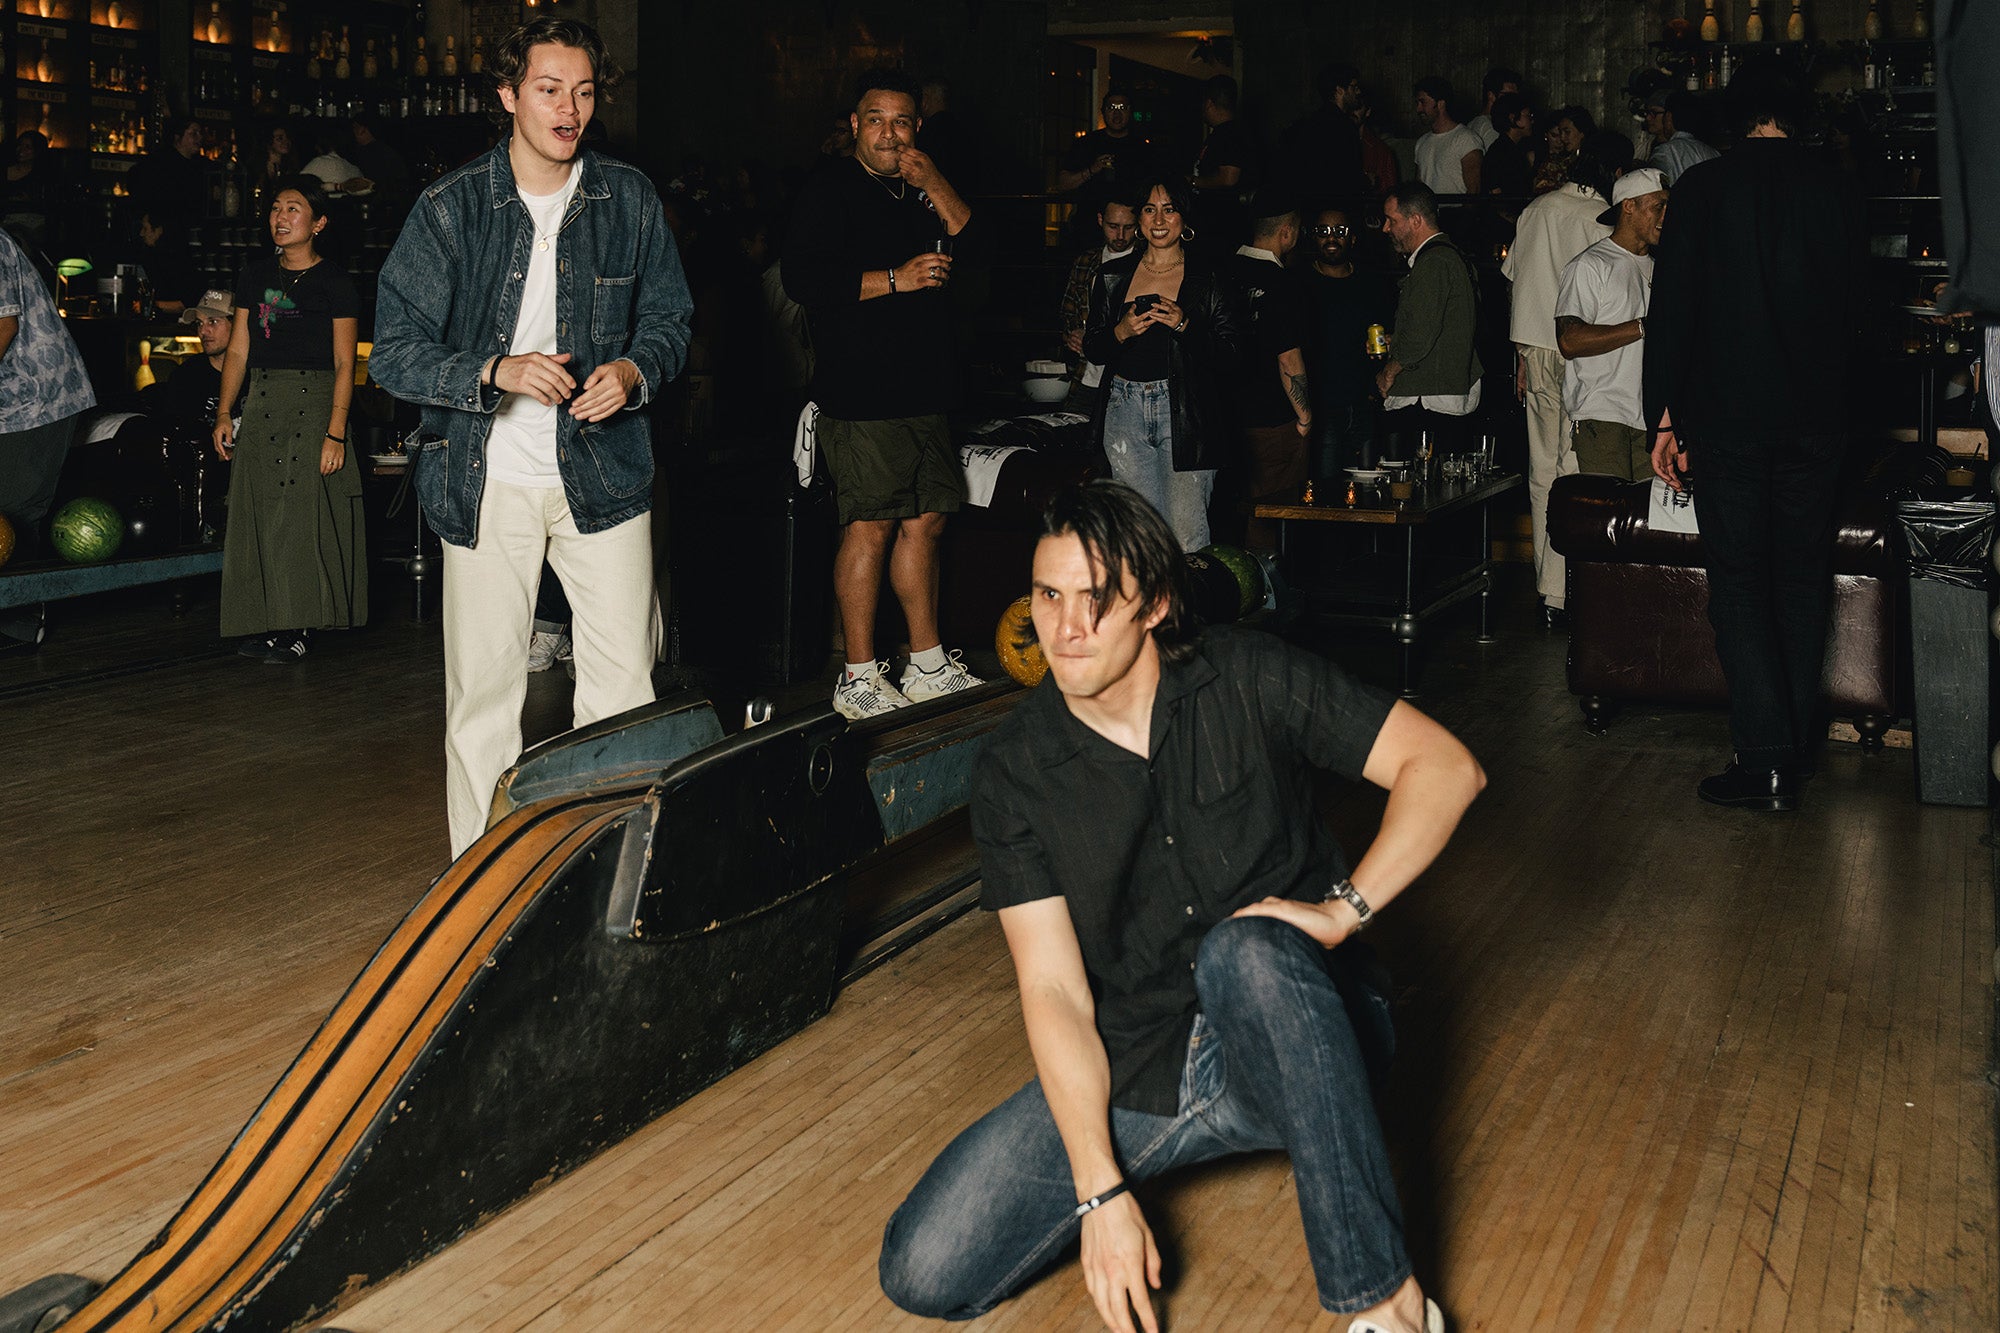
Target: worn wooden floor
[{"x": 1663, "y": 1067}]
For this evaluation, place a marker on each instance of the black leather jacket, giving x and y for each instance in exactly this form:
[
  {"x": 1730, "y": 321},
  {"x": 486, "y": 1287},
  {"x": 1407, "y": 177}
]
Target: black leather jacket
[{"x": 1202, "y": 364}]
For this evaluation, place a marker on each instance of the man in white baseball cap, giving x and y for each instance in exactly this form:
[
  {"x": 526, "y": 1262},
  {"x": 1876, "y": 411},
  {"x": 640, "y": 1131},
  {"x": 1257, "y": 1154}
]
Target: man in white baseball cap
[{"x": 1600, "y": 330}]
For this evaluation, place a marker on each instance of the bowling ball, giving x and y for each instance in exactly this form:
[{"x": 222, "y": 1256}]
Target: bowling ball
[
  {"x": 1212, "y": 588},
  {"x": 1014, "y": 639},
  {"x": 1249, "y": 575},
  {"x": 6, "y": 540},
  {"x": 143, "y": 529},
  {"x": 87, "y": 530}
]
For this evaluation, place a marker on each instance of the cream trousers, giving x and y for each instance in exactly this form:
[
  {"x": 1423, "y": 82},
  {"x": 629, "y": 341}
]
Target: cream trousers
[
  {"x": 489, "y": 617},
  {"x": 1549, "y": 456}
]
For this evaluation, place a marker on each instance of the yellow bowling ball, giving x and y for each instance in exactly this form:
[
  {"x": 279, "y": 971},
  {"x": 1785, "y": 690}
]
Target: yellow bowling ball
[{"x": 1014, "y": 639}]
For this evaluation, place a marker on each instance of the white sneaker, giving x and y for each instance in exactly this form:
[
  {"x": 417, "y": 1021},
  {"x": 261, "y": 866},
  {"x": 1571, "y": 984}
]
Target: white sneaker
[
  {"x": 548, "y": 648},
  {"x": 920, "y": 685},
  {"x": 1433, "y": 1321},
  {"x": 868, "y": 695}
]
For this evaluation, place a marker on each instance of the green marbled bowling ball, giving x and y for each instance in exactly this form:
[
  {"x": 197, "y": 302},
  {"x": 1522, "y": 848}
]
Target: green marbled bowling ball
[{"x": 86, "y": 531}]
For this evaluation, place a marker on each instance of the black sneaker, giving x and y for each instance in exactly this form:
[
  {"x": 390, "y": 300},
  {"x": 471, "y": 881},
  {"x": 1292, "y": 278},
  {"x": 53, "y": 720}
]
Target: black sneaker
[
  {"x": 257, "y": 646},
  {"x": 287, "y": 648}
]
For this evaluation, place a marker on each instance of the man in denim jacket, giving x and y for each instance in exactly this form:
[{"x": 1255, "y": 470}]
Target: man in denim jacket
[{"x": 533, "y": 301}]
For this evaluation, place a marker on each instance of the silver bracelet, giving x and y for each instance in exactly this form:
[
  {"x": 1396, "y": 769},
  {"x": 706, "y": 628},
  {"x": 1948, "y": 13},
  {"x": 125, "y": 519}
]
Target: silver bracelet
[{"x": 1347, "y": 893}]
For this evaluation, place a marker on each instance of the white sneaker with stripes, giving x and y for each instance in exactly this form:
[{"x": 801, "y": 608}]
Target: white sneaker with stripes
[
  {"x": 919, "y": 685},
  {"x": 867, "y": 695}
]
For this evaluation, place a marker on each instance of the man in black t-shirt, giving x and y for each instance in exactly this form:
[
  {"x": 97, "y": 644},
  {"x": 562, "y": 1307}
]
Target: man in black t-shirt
[
  {"x": 1272, "y": 404},
  {"x": 1343, "y": 298},
  {"x": 872, "y": 244},
  {"x": 1222, "y": 170},
  {"x": 1180, "y": 922},
  {"x": 191, "y": 395},
  {"x": 1104, "y": 161}
]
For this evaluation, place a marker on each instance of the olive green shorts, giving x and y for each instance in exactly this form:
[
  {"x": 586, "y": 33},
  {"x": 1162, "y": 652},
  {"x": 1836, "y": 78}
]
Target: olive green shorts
[
  {"x": 1613, "y": 448},
  {"x": 898, "y": 468}
]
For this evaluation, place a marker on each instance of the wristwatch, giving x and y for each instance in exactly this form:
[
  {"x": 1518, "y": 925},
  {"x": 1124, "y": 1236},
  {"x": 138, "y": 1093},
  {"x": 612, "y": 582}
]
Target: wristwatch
[{"x": 1346, "y": 891}]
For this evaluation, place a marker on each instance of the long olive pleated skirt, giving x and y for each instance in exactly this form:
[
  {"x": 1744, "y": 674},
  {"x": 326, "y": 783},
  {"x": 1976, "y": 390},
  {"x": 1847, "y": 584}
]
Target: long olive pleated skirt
[{"x": 295, "y": 556}]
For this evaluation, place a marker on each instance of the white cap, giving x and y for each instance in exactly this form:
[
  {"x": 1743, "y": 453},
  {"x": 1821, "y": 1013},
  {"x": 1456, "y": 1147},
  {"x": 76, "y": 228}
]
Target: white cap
[{"x": 1639, "y": 181}]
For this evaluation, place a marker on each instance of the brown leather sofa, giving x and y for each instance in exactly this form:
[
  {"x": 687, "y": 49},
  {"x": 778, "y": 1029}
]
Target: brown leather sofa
[{"x": 1638, "y": 607}]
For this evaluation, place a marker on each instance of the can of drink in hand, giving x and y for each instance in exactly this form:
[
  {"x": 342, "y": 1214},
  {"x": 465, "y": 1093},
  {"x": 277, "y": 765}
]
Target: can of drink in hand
[{"x": 1376, "y": 342}]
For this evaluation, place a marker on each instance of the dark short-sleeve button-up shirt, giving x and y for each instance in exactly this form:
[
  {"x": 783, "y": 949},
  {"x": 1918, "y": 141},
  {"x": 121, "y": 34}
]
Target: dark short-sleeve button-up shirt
[{"x": 1148, "y": 854}]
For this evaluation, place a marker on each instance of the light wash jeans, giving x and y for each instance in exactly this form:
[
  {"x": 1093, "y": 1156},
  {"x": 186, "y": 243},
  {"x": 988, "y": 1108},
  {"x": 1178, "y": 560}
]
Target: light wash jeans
[
  {"x": 1139, "y": 442},
  {"x": 1278, "y": 1059}
]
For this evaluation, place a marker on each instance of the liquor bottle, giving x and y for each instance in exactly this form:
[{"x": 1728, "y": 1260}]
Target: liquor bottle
[
  {"x": 1868, "y": 73},
  {"x": 1753, "y": 27},
  {"x": 1726, "y": 68}
]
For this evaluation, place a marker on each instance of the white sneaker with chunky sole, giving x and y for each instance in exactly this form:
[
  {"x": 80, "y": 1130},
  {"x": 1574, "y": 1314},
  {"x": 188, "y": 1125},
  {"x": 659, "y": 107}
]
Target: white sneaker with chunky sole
[
  {"x": 920, "y": 686},
  {"x": 867, "y": 695}
]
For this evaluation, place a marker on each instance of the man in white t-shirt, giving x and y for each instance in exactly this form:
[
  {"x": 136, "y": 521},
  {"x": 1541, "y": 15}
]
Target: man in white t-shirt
[
  {"x": 1449, "y": 154},
  {"x": 1498, "y": 80},
  {"x": 532, "y": 303},
  {"x": 1600, "y": 326}
]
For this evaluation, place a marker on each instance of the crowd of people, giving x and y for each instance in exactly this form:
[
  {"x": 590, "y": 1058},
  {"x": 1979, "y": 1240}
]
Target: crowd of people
[{"x": 1236, "y": 331}]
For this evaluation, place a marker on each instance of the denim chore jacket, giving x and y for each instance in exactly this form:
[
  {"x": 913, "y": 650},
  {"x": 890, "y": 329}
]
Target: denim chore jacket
[{"x": 447, "y": 302}]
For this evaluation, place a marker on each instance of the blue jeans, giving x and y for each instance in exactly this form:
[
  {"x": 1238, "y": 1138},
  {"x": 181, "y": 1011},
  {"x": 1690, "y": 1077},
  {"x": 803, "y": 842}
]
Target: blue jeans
[
  {"x": 1277, "y": 1060},
  {"x": 1139, "y": 442}
]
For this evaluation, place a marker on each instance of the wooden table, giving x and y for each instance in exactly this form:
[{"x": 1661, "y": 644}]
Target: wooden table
[{"x": 1334, "y": 553}]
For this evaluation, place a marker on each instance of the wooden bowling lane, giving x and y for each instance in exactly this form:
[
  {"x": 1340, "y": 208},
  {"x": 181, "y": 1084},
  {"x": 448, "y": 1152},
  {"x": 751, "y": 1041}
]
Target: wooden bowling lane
[{"x": 1663, "y": 1067}]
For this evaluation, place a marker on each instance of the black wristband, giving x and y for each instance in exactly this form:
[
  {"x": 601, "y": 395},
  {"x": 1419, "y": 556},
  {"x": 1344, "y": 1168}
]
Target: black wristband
[
  {"x": 492, "y": 373},
  {"x": 1097, "y": 1201},
  {"x": 337, "y": 439},
  {"x": 892, "y": 282}
]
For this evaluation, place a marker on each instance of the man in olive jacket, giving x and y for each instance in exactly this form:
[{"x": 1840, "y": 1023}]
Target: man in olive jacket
[{"x": 1434, "y": 367}]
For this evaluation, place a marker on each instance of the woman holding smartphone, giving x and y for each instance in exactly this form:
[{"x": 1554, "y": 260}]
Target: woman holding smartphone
[
  {"x": 293, "y": 558},
  {"x": 1163, "y": 326}
]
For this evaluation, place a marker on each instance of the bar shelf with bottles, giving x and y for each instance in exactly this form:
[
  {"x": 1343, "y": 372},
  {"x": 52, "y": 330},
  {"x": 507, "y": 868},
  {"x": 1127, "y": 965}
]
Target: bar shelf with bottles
[{"x": 83, "y": 74}]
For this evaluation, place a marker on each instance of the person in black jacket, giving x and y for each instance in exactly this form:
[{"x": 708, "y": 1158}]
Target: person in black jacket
[
  {"x": 1747, "y": 344},
  {"x": 1163, "y": 326}
]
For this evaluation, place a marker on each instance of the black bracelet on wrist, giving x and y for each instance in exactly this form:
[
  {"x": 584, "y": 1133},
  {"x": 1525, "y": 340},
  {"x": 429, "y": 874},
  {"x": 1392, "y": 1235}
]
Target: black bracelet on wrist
[
  {"x": 1097, "y": 1201},
  {"x": 337, "y": 439}
]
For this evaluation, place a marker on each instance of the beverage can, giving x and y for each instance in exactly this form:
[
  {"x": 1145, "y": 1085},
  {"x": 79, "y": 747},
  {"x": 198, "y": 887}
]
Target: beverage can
[{"x": 1377, "y": 341}]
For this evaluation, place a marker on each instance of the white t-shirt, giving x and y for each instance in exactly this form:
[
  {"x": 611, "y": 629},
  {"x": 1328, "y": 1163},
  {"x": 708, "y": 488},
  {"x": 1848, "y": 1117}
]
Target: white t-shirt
[
  {"x": 1441, "y": 158},
  {"x": 1093, "y": 374},
  {"x": 1607, "y": 284},
  {"x": 1482, "y": 125},
  {"x": 521, "y": 450}
]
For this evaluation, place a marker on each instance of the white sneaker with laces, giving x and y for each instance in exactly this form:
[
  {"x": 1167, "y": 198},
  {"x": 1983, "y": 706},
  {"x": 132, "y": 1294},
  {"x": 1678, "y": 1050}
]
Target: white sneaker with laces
[
  {"x": 868, "y": 695},
  {"x": 547, "y": 648},
  {"x": 920, "y": 686}
]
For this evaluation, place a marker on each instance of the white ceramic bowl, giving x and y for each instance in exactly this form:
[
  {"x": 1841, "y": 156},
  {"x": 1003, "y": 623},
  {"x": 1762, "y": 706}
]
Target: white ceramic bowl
[{"x": 1046, "y": 390}]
